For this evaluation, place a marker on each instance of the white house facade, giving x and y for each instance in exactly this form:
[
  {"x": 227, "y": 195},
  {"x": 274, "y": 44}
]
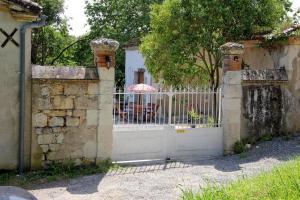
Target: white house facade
[{"x": 135, "y": 70}]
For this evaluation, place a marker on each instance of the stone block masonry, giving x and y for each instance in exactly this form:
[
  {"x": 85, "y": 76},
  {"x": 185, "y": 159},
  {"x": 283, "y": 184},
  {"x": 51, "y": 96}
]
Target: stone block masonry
[
  {"x": 232, "y": 94},
  {"x": 64, "y": 120},
  {"x": 104, "y": 52},
  {"x": 72, "y": 109},
  {"x": 271, "y": 89}
]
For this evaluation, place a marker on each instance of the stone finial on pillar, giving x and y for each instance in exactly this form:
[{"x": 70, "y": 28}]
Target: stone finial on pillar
[
  {"x": 104, "y": 52},
  {"x": 232, "y": 60},
  {"x": 232, "y": 94}
]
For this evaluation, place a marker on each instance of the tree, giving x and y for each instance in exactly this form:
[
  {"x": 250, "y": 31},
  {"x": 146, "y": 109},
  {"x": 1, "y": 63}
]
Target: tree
[
  {"x": 121, "y": 20},
  {"x": 52, "y": 9},
  {"x": 48, "y": 41},
  {"x": 183, "y": 45},
  {"x": 296, "y": 17}
]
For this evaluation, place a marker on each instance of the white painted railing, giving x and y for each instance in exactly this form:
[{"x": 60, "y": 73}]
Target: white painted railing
[{"x": 194, "y": 107}]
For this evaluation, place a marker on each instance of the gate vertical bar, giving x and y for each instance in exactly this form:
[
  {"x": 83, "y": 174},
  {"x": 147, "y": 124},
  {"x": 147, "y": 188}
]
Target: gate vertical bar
[
  {"x": 170, "y": 105},
  {"x": 220, "y": 106}
]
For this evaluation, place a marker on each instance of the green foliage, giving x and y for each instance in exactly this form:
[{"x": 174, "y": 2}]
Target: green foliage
[
  {"x": 211, "y": 122},
  {"x": 281, "y": 183},
  {"x": 121, "y": 20},
  {"x": 52, "y": 9},
  {"x": 47, "y": 44},
  {"x": 239, "y": 147},
  {"x": 296, "y": 17},
  {"x": 49, "y": 41},
  {"x": 183, "y": 45},
  {"x": 266, "y": 138},
  {"x": 54, "y": 172},
  {"x": 193, "y": 115}
]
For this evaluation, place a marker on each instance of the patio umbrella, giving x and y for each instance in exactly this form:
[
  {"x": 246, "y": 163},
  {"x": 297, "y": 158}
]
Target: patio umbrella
[{"x": 140, "y": 88}]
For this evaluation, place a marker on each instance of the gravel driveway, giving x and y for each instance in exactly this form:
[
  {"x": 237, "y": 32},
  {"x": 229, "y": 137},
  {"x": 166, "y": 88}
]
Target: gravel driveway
[{"x": 165, "y": 181}]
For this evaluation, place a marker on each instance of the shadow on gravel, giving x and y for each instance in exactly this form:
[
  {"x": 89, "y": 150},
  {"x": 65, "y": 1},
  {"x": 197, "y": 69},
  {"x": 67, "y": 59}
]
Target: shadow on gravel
[
  {"x": 80, "y": 185},
  {"x": 278, "y": 148},
  {"x": 85, "y": 185}
]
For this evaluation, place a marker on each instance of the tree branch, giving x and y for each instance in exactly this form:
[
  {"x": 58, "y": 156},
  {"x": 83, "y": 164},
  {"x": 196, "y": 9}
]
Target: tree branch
[
  {"x": 210, "y": 60},
  {"x": 202, "y": 57},
  {"x": 65, "y": 49},
  {"x": 203, "y": 68}
]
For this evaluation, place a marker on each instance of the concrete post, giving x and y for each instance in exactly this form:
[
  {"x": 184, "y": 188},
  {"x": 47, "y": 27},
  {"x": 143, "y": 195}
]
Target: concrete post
[
  {"x": 104, "y": 52},
  {"x": 232, "y": 94}
]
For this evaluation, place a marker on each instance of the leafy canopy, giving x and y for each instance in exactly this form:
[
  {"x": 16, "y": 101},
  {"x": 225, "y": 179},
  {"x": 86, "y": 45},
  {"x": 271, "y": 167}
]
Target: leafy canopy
[
  {"x": 52, "y": 9},
  {"x": 121, "y": 20},
  {"x": 183, "y": 45},
  {"x": 49, "y": 41}
]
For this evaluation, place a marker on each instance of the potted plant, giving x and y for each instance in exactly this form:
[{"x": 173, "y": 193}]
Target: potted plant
[{"x": 193, "y": 117}]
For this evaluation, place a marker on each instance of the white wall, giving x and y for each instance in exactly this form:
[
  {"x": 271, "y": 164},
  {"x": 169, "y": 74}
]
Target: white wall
[
  {"x": 134, "y": 61},
  {"x": 134, "y": 143},
  {"x": 9, "y": 94}
]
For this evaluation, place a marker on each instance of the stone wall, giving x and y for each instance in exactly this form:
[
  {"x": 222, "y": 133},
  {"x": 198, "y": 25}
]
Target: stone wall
[
  {"x": 263, "y": 110},
  {"x": 232, "y": 95},
  {"x": 64, "y": 119},
  {"x": 72, "y": 110},
  {"x": 265, "y": 97},
  {"x": 271, "y": 105}
]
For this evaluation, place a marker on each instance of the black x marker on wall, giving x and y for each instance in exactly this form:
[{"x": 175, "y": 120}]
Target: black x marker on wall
[{"x": 9, "y": 37}]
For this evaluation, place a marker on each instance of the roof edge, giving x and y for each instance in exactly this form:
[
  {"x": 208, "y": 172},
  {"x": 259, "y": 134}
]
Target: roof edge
[{"x": 21, "y": 10}]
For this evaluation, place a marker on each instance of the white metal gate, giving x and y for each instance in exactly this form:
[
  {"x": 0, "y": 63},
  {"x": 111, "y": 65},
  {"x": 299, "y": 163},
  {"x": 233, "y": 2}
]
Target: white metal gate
[{"x": 181, "y": 124}]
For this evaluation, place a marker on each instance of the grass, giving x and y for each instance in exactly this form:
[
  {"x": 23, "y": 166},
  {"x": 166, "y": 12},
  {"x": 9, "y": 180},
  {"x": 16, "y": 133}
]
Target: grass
[
  {"x": 54, "y": 172},
  {"x": 281, "y": 183}
]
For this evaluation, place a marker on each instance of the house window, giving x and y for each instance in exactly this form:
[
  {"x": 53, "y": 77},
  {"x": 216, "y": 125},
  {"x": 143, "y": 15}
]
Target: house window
[{"x": 139, "y": 76}]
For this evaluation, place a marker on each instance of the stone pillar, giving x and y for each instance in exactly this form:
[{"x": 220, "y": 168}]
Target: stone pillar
[
  {"x": 232, "y": 94},
  {"x": 104, "y": 52}
]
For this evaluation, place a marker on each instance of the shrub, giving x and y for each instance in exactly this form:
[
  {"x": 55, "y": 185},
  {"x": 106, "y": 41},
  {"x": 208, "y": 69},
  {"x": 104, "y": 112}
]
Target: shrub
[
  {"x": 265, "y": 138},
  {"x": 239, "y": 147}
]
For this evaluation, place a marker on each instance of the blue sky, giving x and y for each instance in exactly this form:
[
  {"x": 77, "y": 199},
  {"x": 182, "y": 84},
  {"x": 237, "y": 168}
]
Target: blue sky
[{"x": 78, "y": 20}]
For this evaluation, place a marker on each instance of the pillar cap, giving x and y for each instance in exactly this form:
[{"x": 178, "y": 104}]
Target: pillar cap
[
  {"x": 104, "y": 44},
  {"x": 232, "y": 48}
]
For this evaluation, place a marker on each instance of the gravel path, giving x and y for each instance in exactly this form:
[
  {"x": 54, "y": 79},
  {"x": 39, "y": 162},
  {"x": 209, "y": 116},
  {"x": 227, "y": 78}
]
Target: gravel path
[{"x": 165, "y": 181}]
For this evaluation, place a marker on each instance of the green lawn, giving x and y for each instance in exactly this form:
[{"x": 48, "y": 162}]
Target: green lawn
[{"x": 281, "y": 183}]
